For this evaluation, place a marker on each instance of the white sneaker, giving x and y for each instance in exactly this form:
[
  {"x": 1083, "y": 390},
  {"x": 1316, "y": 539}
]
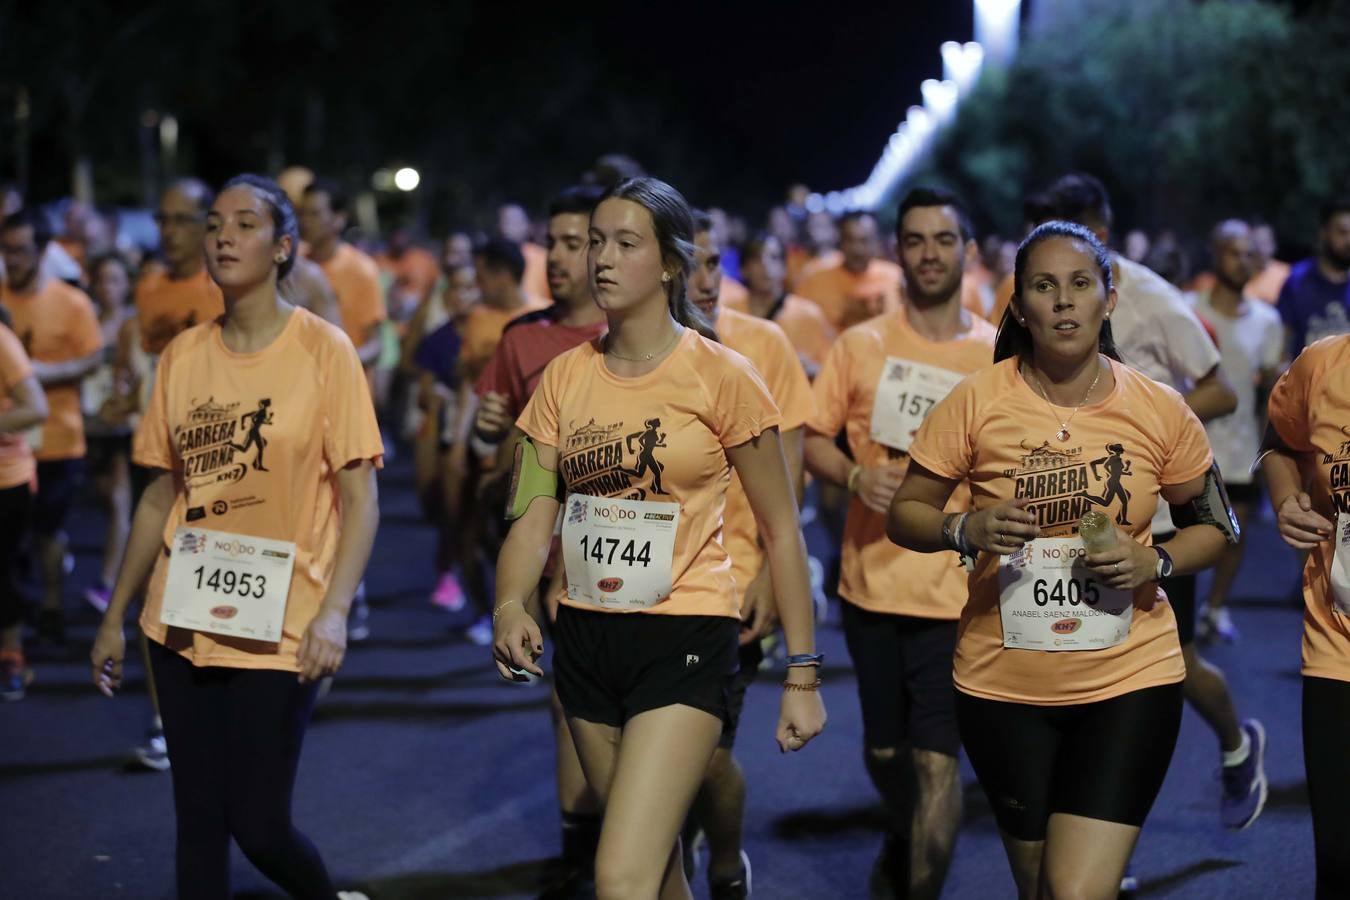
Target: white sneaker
[{"x": 352, "y": 895}]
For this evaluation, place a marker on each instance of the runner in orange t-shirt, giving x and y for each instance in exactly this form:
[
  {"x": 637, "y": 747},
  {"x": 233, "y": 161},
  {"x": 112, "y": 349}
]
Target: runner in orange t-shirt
[
  {"x": 900, "y": 608},
  {"x": 639, "y": 433},
  {"x": 181, "y": 294},
  {"x": 719, "y": 808},
  {"x": 1065, "y": 654},
  {"x": 61, "y": 334},
  {"x": 862, "y": 285},
  {"x": 822, "y": 245},
  {"x": 513, "y": 224},
  {"x": 1307, "y": 471},
  {"x": 353, "y": 275},
  {"x": 22, "y": 407},
  {"x": 802, "y": 321},
  {"x": 264, "y": 440}
]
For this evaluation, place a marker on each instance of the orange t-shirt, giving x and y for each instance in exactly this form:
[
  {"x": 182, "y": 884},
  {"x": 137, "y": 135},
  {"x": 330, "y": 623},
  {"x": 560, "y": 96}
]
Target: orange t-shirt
[
  {"x": 1310, "y": 410},
  {"x": 535, "y": 280},
  {"x": 481, "y": 332},
  {"x": 768, "y": 350},
  {"x": 875, "y": 574},
  {"x": 848, "y": 298},
  {"x": 806, "y": 327},
  {"x": 56, "y": 324},
  {"x": 995, "y": 431},
  {"x": 705, "y": 397},
  {"x": 415, "y": 272},
  {"x": 356, "y": 281},
  {"x": 298, "y": 407},
  {"x": 16, "y": 459},
  {"x": 166, "y": 306},
  {"x": 809, "y": 266}
]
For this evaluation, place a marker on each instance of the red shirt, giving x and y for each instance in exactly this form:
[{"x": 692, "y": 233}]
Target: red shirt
[{"x": 527, "y": 346}]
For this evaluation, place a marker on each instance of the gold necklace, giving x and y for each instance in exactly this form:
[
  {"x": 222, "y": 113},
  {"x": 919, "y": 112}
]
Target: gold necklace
[
  {"x": 650, "y": 356},
  {"x": 1063, "y": 434}
]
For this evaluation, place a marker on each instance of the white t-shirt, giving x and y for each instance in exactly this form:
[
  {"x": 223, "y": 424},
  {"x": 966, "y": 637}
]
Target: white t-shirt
[
  {"x": 1159, "y": 334},
  {"x": 1248, "y": 343}
]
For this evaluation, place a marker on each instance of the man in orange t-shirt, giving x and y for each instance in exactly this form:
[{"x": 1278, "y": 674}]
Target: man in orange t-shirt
[
  {"x": 181, "y": 294},
  {"x": 61, "y": 335},
  {"x": 415, "y": 271},
  {"x": 900, "y": 608},
  {"x": 354, "y": 276},
  {"x": 862, "y": 285},
  {"x": 22, "y": 406},
  {"x": 513, "y": 224},
  {"x": 719, "y": 807}
]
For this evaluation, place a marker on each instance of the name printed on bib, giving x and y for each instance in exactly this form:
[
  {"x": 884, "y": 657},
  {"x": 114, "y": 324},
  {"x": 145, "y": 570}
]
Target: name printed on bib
[
  {"x": 906, "y": 392},
  {"x": 1340, "y": 564},
  {"x": 228, "y": 584},
  {"x": 1050, "y": 600},
  {"x": 619, "y": 554}
]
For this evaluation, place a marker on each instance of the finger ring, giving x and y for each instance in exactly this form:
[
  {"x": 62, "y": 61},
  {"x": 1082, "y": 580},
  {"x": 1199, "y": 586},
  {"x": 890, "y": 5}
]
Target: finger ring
[{"x": 1117, "y": 569}]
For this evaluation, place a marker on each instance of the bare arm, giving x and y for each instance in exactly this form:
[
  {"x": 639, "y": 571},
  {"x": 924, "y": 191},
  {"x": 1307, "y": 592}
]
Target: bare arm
[
  {"x": 517, "y": 640},
  {"x": 1296, "y": 516},
  {"x": 28, "y": 406},
  {"x": 1212, "y": 396}
]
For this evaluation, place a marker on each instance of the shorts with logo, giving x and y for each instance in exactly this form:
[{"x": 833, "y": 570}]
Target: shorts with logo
[
  {"x": 608, "y": 667},
  {"x": 749, "y": 657},
  {"x": 904, "y": 669},
  {"x": 1104, "y": 760}
]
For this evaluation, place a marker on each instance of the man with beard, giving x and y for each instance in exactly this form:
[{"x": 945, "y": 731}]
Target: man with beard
[
  {"x": 1315, "y": 300},
  {"x": 900, "y": 608}
]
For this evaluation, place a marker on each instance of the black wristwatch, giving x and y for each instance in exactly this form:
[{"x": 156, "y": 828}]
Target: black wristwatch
[{"x": 1164, "y": 569}]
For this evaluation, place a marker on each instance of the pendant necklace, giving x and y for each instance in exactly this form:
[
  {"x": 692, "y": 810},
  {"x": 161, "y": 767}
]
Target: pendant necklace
[{"x": 1063, "y": 434}]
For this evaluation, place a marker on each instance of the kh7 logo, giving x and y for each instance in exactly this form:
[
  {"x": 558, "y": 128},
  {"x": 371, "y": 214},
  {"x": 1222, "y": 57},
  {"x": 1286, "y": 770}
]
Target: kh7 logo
[
  {"x": 224, "y": 612},
  {"x": 609, "y": 585},
  {"x": 1066, "y": 626}
]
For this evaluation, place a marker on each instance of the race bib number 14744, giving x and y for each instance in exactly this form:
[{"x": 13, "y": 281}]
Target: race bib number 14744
[{"x": 619, "y": 554}]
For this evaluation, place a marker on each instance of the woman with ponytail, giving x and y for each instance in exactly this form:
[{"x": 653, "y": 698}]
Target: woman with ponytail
[{"x": 636, "y": 434}]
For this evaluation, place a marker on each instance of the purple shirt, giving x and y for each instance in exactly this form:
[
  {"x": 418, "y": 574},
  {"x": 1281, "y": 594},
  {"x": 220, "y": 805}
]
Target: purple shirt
[{"x": 1313, "y": 307}]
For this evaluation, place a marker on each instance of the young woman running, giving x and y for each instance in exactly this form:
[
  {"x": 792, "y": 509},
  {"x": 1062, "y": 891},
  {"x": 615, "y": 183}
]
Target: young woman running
[
  {"x": 1068, "y": 668},
  {"x": 1308, "y": 475},
  {"x": 647, "y": 630},
  {"x": 252, "y": 568}
]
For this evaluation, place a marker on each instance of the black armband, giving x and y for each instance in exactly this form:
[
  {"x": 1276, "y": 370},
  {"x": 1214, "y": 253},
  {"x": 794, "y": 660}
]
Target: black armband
[{"x": 1209, "y": 507}]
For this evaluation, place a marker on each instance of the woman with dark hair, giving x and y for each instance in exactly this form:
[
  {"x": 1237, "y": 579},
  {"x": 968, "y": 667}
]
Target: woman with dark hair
[
  {"x": 765, "y": 272},
  {"x": 648, "y": 623},
  {"x": 1064, "y": 655},
  {"x": 251, "y": 568}
]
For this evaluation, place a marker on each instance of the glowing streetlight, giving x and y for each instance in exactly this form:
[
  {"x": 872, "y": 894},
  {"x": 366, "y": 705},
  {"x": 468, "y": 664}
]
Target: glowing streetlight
[
  {"x": 939, "y": 98},
  {"x": 996, "y": 28},
  {"x": 961, "y": 63},
  {"x": 407, "y": 179}
]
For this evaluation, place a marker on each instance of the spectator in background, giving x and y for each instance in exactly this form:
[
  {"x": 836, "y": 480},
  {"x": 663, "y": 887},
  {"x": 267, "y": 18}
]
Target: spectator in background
[{"x": 1315, "y": 300}]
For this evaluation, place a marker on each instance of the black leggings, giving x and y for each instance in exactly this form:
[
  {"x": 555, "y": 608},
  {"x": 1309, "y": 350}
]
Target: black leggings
[
  {"x": 1104, "y": 760},
  {"x": 1326, "y": 741},
  {"x": 234, "y": 739},
  {"x": 15, "y": 507}
]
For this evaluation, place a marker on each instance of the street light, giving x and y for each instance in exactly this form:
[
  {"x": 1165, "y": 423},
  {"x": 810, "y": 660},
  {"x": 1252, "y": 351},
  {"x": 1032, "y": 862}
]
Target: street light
[
  {"x": 996, "y": 27},
  {"x": 961, "y": 63},
  {"x": 407, "y": 179}
]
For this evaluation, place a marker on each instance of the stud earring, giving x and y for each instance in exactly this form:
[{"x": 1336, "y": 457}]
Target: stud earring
[{"x": 280, "y": 258}]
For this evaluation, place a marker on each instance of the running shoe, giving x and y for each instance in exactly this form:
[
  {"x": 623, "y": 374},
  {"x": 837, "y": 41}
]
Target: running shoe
[
  {"x": 1216, "y": 625},
  {"x": 1244, "y": 784},
  {"x": 154, "y": 753},
  {"x": 353, "y": 895},
  {"x": 97, "y": 595},
  {"x": 448, "y": 594},
  {"x": 358, "y": 617},
  {"x": 1129, "y": 885},
  {"x": 15, "y": 677},
  {"x": 890, "y": 873},
  {"x": 737, "y": 888}
]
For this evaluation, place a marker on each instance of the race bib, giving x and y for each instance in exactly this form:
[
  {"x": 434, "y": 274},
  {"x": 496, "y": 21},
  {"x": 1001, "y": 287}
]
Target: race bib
[
  {"x": 619, "y": 554},
  {"x": 906, "y": 393},
  {"x": 1050, "y": 600},
  {"x": 1340, "y": 564},
  {"x": 229, "y": 584}
]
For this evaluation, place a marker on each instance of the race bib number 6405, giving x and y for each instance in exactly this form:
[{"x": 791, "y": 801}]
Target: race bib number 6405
[
  {"x": 619, "y": 554},
  {"x": 1050, "y": 600}
]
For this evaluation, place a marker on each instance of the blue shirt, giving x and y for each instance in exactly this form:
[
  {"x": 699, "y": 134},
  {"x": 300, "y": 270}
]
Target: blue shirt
[{"x": 1313, "y": 307}]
